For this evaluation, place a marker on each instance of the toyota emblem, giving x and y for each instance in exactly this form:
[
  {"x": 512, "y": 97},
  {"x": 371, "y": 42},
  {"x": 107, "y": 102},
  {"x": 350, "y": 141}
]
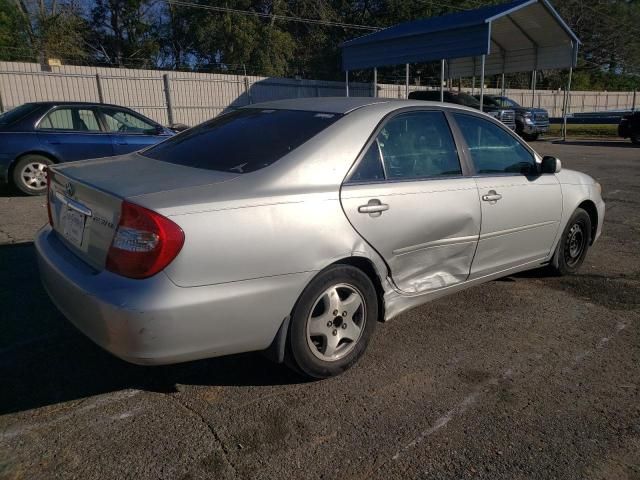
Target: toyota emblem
[{"x": 69, "y": 189}]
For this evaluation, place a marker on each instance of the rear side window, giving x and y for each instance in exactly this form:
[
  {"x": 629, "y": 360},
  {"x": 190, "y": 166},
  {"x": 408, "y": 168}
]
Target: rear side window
[
  {"x": 242, "y": 141},
  {"x": 418, "y": 145},
  {"x": 72, "y": 119}
]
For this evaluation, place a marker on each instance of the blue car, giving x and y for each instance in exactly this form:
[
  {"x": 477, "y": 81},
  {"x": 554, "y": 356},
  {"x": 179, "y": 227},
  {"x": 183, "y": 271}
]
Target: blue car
[{"x": 38, "y": 134}]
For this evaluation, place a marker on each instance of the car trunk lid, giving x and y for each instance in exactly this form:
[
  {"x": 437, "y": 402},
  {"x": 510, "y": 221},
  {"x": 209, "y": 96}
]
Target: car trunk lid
[{"x": 86, "y": 197}]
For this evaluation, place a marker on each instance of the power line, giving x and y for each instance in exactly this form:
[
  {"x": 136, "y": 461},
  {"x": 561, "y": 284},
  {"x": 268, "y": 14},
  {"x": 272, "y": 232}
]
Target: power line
[{"x": 273, "y": 16}]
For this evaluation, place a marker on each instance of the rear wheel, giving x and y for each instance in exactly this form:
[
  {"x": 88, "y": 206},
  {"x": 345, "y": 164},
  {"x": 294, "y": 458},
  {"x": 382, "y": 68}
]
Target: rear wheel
[
  {"x": 573, "y": 245},
  {"x": 30, "y": 174},
  {"x": 332, "y": 322},
  {"x": 635, "y": 138}
]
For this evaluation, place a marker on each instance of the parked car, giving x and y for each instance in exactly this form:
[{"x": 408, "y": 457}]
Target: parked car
[
  {"x": 530, "y": 122},
  {"x": 295, "y": 225},
  {"x": 36, "y": 135},
  {"x": 505, "y": 115},
  {"x": 629, "y": 127}
]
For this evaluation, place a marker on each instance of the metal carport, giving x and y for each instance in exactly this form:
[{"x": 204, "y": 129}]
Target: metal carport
[{"x": 525, "y": 35}]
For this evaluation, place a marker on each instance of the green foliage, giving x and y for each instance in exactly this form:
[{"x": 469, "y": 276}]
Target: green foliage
[
  {"x": 13, "y": 36},
  {"x": 158, "y": 34}
]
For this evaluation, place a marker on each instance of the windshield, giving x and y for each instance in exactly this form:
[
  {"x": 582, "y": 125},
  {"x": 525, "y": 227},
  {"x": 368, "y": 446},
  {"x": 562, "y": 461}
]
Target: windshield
[
  {"x": 242, "y": 141},
  {"x": 490, "y": 101},
  {"x": 507, "y": 102},
  {"x": 467, "y": 100},
  {"x": 17, "y": 113}
]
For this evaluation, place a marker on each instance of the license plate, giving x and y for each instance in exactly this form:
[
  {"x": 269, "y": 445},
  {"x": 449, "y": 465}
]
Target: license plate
[
  {"x": 543, "y": 129},
  {"x": 72, "y": 224}
]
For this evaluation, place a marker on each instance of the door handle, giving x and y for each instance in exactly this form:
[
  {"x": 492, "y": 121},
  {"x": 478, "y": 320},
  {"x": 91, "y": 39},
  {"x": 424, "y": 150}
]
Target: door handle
[
  {"x": 54, "y": 142},
  {"x": 491, "y": 196},
  {"x": 373, "y": 207}
]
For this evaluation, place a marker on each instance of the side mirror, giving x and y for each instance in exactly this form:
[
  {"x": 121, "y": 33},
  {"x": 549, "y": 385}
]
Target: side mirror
[
  {"x": 550, "y": 165},
  {"x": 178, "y": 127}
]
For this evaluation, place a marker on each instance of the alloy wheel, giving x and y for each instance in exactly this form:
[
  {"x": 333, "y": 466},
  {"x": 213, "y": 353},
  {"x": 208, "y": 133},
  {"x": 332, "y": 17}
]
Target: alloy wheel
[
  {"x": 34, "y": 175},
  {"x": 336, "y": 322}
]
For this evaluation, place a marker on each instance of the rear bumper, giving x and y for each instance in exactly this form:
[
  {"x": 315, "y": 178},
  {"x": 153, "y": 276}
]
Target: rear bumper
[{"x": 153, "y": 321}]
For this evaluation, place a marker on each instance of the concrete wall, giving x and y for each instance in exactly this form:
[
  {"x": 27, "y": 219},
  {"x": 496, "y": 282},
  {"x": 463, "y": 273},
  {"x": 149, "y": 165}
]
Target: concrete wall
[{"x": 195, "y": 97}]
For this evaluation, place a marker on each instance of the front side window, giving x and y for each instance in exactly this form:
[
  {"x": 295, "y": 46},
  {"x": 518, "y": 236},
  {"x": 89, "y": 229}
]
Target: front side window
[
  {"x": 71, "y": 119},
  {"x": 124, "y": 122},
  {"x": 418, "y": 145},
  {"x": 492, "y": 149},
  {"x": 242, "y": 141}
]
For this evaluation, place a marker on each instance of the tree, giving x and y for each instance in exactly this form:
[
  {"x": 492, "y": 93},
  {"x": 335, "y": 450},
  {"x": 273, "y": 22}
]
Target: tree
[
  {"x": 124, "y": 32},
  {"x": 41, "y": 30}
]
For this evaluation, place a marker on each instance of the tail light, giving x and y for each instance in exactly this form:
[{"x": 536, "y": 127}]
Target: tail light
[
  {"x": 144, "y": 244},
  {"x": 49, "y": 193}
]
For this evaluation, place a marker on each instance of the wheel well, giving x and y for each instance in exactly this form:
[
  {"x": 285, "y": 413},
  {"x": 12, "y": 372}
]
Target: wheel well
[
  {"x": 589, "y": 207},
  {"x": 22, "y": 155},
  {"x": 370, "y": 271}
]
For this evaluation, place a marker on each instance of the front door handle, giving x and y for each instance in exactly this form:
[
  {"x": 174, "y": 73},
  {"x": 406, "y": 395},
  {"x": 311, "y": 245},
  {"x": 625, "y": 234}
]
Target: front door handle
[
  {"x": 373, "y": 207},
  {"x": 492, "y": 196}
]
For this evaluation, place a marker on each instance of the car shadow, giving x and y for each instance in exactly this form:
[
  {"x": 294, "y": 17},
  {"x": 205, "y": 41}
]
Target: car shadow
[
  {"x": 619, "y": 143},
  {"x": 44, "y": 360},
  {"x": 9, "y": 191}
]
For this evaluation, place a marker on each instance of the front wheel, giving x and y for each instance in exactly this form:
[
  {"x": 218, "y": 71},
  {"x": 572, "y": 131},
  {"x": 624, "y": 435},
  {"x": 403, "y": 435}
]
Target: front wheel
[
  {"x": 635, "y": 139},
  {"x": 573, "y": 245},
  {"x": 30, "y": 174},
  {"x": 332, "y": 322},
  {"x": 530, "y": 137}
]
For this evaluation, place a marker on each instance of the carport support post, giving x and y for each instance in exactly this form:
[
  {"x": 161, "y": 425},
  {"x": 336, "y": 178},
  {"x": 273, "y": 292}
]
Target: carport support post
[
  {"x": 375, "y": 82},
  {"x": 534, "y": 80},
  {"x": 482, "y": 84},
  {"x": 566, "y": 106},
  {"x": 633, "y": 104},
  {"x": 167, "y": 97},
  {"x": 346, "y": 83},
  {"x": 99, "y": 87},
  {"x": 406, "y": 80},
  {"x": 442, "y": 80}
]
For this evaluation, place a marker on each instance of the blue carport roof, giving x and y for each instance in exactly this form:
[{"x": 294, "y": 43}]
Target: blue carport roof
[{"x": 525, "y": 34}]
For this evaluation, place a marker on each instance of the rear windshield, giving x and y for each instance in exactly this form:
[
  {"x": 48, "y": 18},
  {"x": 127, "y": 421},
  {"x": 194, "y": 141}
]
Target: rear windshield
[
  {"x": 18, "y": 113},
  {"x": 242, "y": 141}
]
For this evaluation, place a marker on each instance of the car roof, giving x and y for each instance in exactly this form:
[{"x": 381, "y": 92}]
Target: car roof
[
  {"x": 66, "y": 102},
  {"x": 344, "y": 105},
  {"x": 323, "y": 104}
]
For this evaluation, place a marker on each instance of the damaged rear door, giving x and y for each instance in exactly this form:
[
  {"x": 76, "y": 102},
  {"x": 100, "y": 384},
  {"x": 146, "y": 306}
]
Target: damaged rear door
[{"x": 409, "y": 199}]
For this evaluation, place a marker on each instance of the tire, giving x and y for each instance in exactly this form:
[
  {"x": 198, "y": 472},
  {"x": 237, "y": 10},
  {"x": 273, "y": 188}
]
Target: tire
[
  {"x": 573, "y": 245},
  {"x": 323, "y": 341},
  {"x": 29, "y": 174},
  {"x": 635, "y": 139},
  {"x": 530, "y": 137}
]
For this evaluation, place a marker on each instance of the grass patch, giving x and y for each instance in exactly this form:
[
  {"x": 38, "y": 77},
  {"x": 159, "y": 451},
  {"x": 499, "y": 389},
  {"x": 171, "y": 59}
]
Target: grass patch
[{"x": 576, "y": 130}]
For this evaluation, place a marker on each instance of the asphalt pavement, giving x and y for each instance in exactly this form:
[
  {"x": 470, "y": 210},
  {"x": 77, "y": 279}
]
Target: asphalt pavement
[{"x": 527, "y": 377}]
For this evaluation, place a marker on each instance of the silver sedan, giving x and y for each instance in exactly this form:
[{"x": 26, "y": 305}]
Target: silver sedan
[{"x": 295, "y": 226}]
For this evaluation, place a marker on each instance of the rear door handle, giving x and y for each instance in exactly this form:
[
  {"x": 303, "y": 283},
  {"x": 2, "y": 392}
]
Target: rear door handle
[
  {"x": 373, "y": 207},
  {"x": 492, "y": 196}
]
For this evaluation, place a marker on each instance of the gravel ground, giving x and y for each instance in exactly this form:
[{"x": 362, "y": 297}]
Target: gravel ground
[{"x": 526, "y": 377}]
